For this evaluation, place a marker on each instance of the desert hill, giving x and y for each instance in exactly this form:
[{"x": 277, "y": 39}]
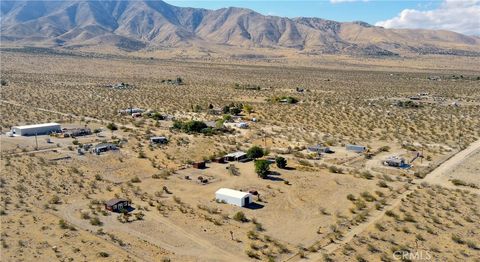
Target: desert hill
[{"x": 146, "y": 25}]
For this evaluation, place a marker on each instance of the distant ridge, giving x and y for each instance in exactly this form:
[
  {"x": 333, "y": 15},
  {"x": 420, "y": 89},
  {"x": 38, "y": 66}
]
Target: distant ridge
[{"x": 137, "y": 25}]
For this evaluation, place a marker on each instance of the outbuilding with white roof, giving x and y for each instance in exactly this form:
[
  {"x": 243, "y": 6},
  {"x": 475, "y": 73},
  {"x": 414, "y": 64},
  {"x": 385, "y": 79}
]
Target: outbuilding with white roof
[
  {"x": 233, "y": 197},
  {"x": 39, "y": 129}
]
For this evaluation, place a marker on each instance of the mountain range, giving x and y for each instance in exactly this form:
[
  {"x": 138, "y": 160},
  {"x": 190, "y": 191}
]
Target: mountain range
[{"x": 133, "y": 25}]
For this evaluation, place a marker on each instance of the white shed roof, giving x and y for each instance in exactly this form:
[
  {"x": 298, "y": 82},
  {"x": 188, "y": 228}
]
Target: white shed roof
[
  {"x": 37, "y": 125},
  {"x": 232, "y": 193},
  {"x": 236, "y": 154}
]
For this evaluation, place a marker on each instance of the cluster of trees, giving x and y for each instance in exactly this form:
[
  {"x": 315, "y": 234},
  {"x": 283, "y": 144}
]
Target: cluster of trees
[
  {"x": 408, "y": 104},
  {"x": 262, "y": 166},
  {"x": 192, "y": 126},
  {"x": 233, "y": 109}
]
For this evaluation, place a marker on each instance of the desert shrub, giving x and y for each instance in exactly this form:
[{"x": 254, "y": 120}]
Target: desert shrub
[
  {"x": 380, "y": 227},
  {"x": 458, "y": 239},
  {"x": 136, "y": 179},
  {"x": 390, "y": 213},
  {"x": 368, "y": 197},
  {"x": 351, "y": 197},
  {"x": 240, "y": 217},
  {"x": 95, "y": 221},
  {"x": 112, "y": 126},
  {"x": 459, "y": 182},
  {"x": 252, "y": 235},
  {"x": 54, "y": 200},
  {"x": 382, "y": 183},
  {"x": 360, "y": 204},
  {"x": 335, "y": 169},
  {"x": 409, "y": 218},
  {"x": 384, "y": 149},
  {"x": 473, "y": 245},
  {"x": 366, "y": 175},
  {"x": 281, "y": 162},
  {"x": 62, "y": 224},
  {"x": 103, "y": 254},
  {"x": 252, "y": 254}
]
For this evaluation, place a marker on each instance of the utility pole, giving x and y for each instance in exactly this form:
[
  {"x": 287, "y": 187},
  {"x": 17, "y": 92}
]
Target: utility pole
[{"x": 36, "y": 142}]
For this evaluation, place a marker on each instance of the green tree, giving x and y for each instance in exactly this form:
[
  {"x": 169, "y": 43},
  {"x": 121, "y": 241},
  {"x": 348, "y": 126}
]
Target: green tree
[
  {"x": 255, "y": 152},
  {"x": 281, "y": 162},
  {"x": 235, "y": 111},
  {"x": 247, "y": 109},
  {"x": 262, "y": 168}
]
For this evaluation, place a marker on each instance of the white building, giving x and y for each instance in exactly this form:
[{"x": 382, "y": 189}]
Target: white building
[
  {"x": 235, "y": 156},
  {"x": 233, "y": 197},
  {"x": 356, "y": 148},
  {"x": 40, "y": 129}
]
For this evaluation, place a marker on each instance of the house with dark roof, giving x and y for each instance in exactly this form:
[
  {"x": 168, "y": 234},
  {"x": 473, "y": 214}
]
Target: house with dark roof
[{"x": 117, "y": 205}]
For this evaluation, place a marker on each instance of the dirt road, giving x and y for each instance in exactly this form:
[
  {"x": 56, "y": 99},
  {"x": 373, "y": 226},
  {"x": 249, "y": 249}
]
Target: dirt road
[
  {"x": 438, "y": 176},
  {"x": 157, "y": 230},
  {"x": 433, "y": 177}
]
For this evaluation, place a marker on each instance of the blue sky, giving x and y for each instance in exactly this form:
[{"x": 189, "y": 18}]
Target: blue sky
[
  {"x": 367, "y": 11},
  {"x": 462, "y": 16}
]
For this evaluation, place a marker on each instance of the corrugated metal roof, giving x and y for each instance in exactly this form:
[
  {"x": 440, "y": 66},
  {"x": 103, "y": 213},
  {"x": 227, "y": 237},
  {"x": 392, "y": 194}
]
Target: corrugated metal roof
[
  {"x": 236, "y": 154},
  {"x": 232, "y": 193},
  {"x": 37, "y": 126},
  {"x": 114, "y": 201}
]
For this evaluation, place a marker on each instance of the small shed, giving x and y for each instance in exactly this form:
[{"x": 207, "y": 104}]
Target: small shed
[
  {"x": 319, "y": 149},
  {"x": 199, "y": 165},
  {"x": 236, "y": 156},
  {"x": 104, "y": 147},
  {"x": 117, "y": 204},
  {"x": 220, "y": 160},
  {"x": 158, "y": 140},
  {"x": 233, "y": 197},
  {"x": 356, "y": 148}
]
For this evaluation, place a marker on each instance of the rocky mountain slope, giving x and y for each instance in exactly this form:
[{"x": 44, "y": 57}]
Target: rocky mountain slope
[{"x": 135, "y": 25}]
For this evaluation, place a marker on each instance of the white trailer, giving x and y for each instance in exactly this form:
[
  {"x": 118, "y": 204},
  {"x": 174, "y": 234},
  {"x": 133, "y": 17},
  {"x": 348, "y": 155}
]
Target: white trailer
[
  {"x": 40, "y": 129},
  {"x": 356, "y": 148},
  {"x": 233, "y": 197}
]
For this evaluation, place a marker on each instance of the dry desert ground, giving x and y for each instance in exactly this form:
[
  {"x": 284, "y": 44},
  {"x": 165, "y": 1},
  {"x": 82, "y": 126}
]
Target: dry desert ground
[{"x": 341, "y": 206}]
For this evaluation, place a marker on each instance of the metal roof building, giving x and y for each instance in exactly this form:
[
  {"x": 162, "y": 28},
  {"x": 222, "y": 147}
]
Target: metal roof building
[
  {"x": 233, "y": 197},
  {"x": 39, "y": 129},
  {"x": 235, "y": 156}
]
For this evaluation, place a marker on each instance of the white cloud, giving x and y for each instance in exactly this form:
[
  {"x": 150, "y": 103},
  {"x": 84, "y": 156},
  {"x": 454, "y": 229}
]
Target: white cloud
[{"x": 462, "y": 16}]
